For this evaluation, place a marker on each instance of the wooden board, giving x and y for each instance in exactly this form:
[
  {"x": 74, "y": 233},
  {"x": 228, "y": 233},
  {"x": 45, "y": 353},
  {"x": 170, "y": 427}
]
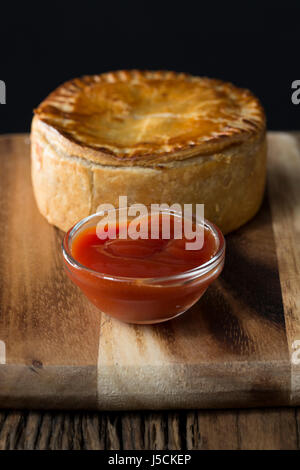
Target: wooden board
[{"x": 235, "y": 347}]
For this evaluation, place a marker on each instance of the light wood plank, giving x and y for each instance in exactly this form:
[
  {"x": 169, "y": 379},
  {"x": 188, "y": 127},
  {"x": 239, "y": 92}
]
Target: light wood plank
[{"x": 50, "y": 331}]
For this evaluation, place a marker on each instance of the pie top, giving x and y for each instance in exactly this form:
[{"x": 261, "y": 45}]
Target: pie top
[{"x": 138, "y": 116}]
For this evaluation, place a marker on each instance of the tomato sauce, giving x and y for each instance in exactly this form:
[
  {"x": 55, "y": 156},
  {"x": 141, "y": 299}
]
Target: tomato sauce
[
  {"x": 123, "y": 288},
  {"x": 142, "y": 257}
]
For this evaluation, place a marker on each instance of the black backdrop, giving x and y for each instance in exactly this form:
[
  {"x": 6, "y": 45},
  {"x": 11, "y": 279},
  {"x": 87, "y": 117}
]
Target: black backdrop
[{"x": 253, "y": 44}]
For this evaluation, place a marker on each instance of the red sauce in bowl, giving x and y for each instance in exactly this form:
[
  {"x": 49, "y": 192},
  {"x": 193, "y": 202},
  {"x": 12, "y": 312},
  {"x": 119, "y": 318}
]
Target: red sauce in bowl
[
  {"x": 140, "y": 258},
  {"x": 144, "y": 280}
]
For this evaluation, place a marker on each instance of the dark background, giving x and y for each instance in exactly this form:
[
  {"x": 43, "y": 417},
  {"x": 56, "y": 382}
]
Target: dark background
[{"x": 253, "y": 44}]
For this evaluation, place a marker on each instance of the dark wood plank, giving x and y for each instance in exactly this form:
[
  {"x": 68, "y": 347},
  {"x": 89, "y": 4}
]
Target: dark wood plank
[
  {"x": 133, "y": 431},
  {"x": 212, "y": 430},
  {"x": 192, "y": 430},
  {"x": 268, "y": 429}
]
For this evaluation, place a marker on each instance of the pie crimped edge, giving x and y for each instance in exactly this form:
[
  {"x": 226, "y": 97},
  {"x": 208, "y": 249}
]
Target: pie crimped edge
[{"x": 62, "y": 114}]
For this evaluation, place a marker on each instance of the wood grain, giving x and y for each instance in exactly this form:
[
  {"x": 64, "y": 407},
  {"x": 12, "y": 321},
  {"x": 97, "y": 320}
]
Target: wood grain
[
  {"x": 284, "y": 187},
  {"x": 222, "y": 352},
  {"x": 268, "y": 429},
  {"x": 44, "y": 320},
  {"x": 233, "y": 348}
]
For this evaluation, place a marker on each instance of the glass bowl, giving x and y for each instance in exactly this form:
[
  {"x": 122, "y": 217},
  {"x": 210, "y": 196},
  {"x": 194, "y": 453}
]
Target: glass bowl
[{"x": 142, "y": 300}]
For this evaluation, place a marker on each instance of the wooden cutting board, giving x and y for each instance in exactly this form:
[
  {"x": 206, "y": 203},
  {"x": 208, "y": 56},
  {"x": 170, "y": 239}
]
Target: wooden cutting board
[{"x": 236, "y": 347}]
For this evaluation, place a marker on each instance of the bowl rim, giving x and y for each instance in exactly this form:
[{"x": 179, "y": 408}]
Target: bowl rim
[{"x": 188, "y": 275}]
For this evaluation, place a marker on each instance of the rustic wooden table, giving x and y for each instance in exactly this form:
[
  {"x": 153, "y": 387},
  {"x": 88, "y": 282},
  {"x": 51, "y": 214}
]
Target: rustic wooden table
[{"x": 185, "y": 430}]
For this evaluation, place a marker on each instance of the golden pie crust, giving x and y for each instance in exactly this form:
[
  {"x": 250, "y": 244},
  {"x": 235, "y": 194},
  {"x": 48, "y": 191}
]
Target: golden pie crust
[{"x": 156, "y": 137}]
